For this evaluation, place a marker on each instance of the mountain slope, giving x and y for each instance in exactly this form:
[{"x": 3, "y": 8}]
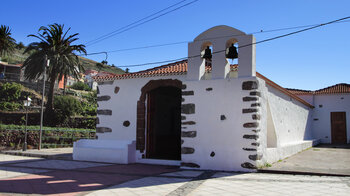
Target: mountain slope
[{"x": 18, "y": 58}]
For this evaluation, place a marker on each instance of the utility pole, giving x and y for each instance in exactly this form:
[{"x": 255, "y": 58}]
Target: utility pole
[{"x": 46, "y": 64}]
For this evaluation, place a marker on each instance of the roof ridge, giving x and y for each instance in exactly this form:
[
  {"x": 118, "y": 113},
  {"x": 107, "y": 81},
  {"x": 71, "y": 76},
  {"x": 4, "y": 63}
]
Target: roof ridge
[{"x": 333, "y": 86}]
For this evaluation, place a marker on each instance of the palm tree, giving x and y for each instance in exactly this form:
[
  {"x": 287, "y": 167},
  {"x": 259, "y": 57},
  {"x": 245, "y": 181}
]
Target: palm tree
[
  {"x": 56, "y": 46},
  {"x": 7, "y": 43}
]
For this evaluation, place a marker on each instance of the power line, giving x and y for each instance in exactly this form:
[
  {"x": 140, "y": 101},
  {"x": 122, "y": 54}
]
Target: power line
[
  {"x": 136, "y": 23},
  {"x": 262, "y": 41},
  {"x": 185, "y": 42}
]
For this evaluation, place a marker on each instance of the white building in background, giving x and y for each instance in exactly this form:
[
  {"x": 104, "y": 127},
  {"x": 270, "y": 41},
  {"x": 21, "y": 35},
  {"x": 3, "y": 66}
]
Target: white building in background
[{"x": 207, "y": 114}]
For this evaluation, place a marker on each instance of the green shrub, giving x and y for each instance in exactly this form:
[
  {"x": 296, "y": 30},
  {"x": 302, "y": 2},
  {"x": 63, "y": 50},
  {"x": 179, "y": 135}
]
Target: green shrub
[
  {"x": 10, "y": 106},
  {"x": 65, "y": 107},
  {"x": 81, "y": 86},
  {"x": 10, "y": 91}
]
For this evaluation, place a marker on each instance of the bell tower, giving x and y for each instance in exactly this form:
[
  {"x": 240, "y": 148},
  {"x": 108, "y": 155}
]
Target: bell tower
[{"x": 220, "y": 40}]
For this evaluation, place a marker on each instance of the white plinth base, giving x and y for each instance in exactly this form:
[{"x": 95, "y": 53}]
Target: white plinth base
[
  {"x": 275, "y": 154},
  {"x": 108, "y": 151}
]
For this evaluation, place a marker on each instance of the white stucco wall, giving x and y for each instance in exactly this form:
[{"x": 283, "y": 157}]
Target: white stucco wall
[
  {"x": 223, "y": 137},
  {"x": 289, "y": 119},
  {"x": 123, "y": 106},
  {"x": 321, "y": 119}
]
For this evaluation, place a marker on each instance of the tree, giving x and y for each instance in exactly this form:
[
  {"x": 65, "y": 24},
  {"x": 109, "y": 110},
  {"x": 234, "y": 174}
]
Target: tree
[
  {"x": 20, "y": 45},
  {"x": 99, "y": 66},
  {"x": 7, "y": 43},
  {"x": 56, "y": 46},
  {"x": 104, "y": 62}
]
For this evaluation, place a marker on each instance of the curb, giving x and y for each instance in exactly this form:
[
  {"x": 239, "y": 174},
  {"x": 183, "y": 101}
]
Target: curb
[
  {"x": 57, "y": 157},
  {"x": 301, "y": 173}
]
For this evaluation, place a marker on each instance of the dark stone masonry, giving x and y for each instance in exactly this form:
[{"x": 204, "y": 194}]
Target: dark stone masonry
[
  {"x": 255, "y": 157},
  {"x": 116, "y": 89},
  {"x": 222, "y": 117},
  {"x": 249, "y": 85},
  {"x": 256, "y": 93},
  {"x": 249, "y": 110},
  {"x": 250, "y": 98},
  {"x": 104, "y": 112},
  {"x": 187, "y": 93},
  {"x": 254, "y": 137},
  {"x": 256, "y": 117},
  {"x": 103, "y": 98},
  {"x": 188, "y": 133},
  {"x": 126, "y": 123},
  {"x": 251, "y": 125},
  {"x": 249, "y": 149},
  {"x": 248, "y": 165},
  {"x": 103, "y": 129},
  {"x": 188, "y": 108},
  {"x": 255, "y": 105},
  {"x": 188, "y": 123},
  {"x": 187, "y": 150}
]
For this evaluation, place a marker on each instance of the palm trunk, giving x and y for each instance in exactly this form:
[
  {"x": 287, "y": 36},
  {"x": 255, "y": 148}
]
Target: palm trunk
[
  {"x": 64, "y": 84},
  {"x": 50, "y": 96}
]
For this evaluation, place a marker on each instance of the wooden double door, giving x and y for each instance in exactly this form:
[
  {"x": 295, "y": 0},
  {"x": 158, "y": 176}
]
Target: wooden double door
[
  {"x": 163, "y": 138},
  {"x": 338, "y": 127}
]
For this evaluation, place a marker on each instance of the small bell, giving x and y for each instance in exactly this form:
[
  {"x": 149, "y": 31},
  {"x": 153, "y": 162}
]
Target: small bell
[
  {"x": 207, "y": 53},
  {"x": 231, "y": 52}
]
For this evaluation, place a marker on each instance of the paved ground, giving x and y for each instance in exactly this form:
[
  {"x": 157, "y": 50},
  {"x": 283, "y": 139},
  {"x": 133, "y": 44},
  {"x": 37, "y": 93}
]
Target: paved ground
[
  {"x": 53, "y": 153},
  {"x": 324, "y": 159},
  {"x": 29, "y": 175}
]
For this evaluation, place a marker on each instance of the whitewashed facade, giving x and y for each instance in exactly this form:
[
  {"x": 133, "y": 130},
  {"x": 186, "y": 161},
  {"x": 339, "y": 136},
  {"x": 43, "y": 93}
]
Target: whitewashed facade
[{"x": 228, "y": 119}]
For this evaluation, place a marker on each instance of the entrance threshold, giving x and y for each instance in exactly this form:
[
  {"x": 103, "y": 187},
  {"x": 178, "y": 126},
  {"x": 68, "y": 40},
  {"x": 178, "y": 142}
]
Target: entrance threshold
[{"x": 160, "y": 162}]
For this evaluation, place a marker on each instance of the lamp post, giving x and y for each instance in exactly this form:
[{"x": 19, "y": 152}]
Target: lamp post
[
  {"x": 46, "y": 64},
  {"x": 26, "y": 104}
]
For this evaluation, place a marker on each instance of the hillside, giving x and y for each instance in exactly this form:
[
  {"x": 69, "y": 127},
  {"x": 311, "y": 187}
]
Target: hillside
[{"x": 18, "y": 58}]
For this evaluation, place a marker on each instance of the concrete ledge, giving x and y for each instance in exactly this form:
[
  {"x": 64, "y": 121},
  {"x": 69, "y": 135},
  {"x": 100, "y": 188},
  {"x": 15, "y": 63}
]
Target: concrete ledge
[
  {"x": 108, "y": 151},
  {"x": 274, "y": 154}
]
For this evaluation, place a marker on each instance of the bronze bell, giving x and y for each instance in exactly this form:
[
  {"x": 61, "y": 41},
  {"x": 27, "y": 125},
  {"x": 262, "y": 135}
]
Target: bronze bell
[
  {"x": 231, "y": 52},
  {"x": 207, "y": 53}
]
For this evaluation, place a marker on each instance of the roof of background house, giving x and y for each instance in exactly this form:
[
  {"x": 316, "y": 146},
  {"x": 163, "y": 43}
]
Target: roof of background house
[
  {"x": 335, "y": 89},
  {"x": 89, "y": 71},
  {"x": 180, "y": 68},
  {"x": 104, "y": 74},
  {"x": 10, "y": 65}
]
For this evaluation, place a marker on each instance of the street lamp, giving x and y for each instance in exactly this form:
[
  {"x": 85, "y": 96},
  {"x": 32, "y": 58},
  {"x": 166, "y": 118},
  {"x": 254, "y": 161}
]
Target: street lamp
[{"x": 26, "y": 104}]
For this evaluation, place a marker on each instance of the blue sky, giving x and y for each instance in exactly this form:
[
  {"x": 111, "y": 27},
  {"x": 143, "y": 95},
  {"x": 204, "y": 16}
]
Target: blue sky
[{"x": 310, "y": 60}]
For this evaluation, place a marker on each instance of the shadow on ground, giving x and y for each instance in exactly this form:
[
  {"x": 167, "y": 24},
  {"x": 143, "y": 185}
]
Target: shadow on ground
[{"x": 79, "y": 180}]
